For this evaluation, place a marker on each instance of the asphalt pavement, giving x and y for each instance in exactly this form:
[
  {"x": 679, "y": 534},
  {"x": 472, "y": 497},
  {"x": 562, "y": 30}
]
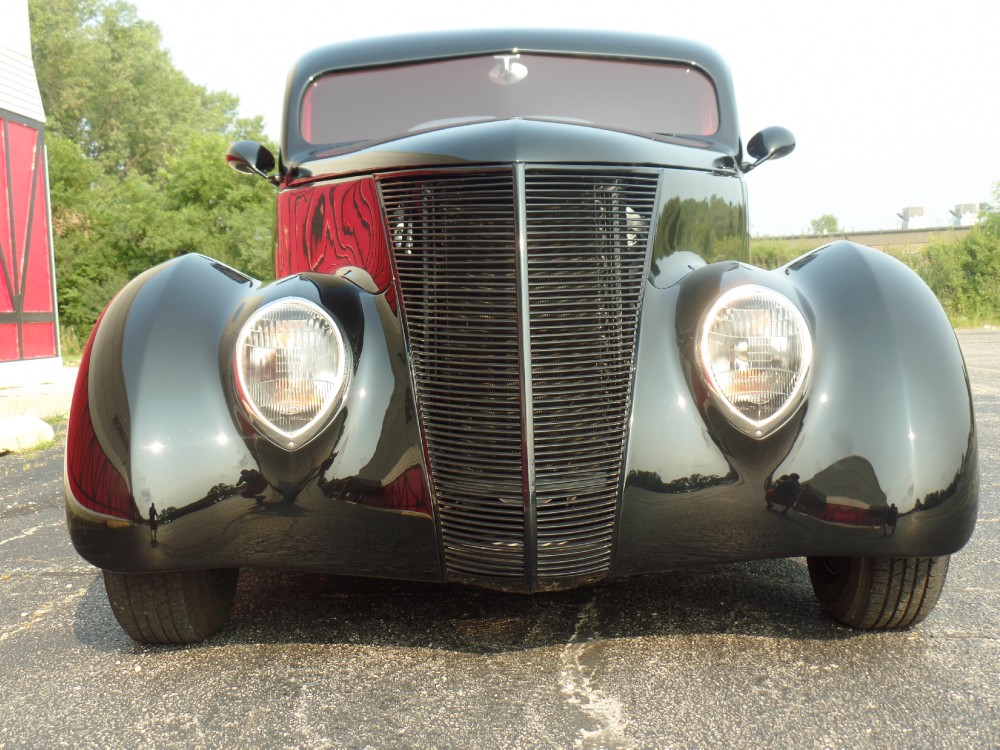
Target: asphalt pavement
[{"x": 730, "y": 656}]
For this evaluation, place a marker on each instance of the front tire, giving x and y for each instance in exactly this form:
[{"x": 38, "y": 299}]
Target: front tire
[
  {"x": 878, "y": 593},
  {"x": 184, "y": 607}
]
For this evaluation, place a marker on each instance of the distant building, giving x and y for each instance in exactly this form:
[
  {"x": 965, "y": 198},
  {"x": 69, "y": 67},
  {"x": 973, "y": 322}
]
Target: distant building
[
  {"x": 29, "y": 339},
  {"x": 912, "y": 217},
  {"x": 962, "y": 215},
  {"x": 893, "y": 241},
  {"x": 965, "y": 214}
]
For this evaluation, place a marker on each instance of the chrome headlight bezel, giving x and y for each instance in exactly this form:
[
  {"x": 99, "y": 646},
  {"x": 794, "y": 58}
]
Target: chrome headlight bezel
[
  {"x": 310, "y": 335},
  {"x": 772, "y": 322}
]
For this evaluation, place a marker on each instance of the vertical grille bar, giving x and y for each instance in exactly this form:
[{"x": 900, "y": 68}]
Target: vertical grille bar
[
  {"x": 527, "y": 417},
  {"x": 500, "y": 267}
]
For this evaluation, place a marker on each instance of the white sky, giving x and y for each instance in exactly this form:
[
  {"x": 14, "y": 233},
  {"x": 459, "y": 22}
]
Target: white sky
[{"x": 892, "y": 104}]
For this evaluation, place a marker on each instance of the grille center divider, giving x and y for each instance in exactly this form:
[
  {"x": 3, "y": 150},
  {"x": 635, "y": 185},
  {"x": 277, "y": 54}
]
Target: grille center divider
[{"x": 520, "y": 289}]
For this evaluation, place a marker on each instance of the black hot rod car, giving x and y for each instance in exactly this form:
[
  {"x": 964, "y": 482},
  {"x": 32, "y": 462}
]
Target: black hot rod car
[{"x": 518, "y": 340}]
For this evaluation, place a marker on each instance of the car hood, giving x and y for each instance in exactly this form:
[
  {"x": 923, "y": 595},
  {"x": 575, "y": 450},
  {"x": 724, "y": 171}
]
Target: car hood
[{"x": 506, "y": 141}]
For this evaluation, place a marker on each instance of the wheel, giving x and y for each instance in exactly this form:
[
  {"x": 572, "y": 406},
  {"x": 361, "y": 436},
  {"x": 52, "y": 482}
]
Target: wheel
[
  {"x": 878, "y": 593},
  {"x": 184, "y": 607}
]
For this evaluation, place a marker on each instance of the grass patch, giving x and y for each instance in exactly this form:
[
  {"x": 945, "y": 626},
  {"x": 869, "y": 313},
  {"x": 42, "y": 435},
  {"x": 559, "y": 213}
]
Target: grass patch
[
  {"x": 57, "y": 419},
  {"x": 70, "y": 346},
  {"x": 961, "y": 321},
  {"x": 29, "y": 454}
]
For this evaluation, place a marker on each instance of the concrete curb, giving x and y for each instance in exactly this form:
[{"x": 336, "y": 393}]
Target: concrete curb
[
  {"x": 25, "y": 405},
  {"x": 23, "y": 433}
]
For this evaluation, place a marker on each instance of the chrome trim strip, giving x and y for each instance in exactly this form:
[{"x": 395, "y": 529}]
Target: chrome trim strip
[{"x": 527, "y": 416}]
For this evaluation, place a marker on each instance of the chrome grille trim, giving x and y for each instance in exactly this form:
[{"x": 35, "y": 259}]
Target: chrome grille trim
[
  {"x": 527, "y": 392},
  {"x": 520, "y": 290}
]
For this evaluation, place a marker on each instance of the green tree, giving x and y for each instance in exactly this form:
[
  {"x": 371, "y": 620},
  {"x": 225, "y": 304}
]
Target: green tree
[
  {"x": 107, "y": 84},
  {"x": 825, "y": 224},
  {"x": 136, "y": 157}
]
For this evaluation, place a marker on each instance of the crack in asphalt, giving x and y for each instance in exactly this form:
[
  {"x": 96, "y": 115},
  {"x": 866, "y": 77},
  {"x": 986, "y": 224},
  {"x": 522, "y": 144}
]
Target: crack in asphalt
[
  {"x": 32, "y": 530},
  {"x": 576, "y": 685},
  {"x": 38, "y": 615}
]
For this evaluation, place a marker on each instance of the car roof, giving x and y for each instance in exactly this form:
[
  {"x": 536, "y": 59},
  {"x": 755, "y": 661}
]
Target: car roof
[{"x": 440, "y": 45}]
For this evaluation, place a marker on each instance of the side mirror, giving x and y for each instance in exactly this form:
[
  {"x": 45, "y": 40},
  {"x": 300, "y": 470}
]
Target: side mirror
[
  {"x": 249, "y": 157},
  {"x": 770, "y": 143}
]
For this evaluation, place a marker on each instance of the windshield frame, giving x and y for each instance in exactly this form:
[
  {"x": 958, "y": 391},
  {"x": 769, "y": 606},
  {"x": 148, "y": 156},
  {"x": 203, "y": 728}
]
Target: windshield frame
[{"x": 654, "y": 98}]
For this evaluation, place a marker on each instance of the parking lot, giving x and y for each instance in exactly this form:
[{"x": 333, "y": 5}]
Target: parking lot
[{"x": 737, "y": 655}]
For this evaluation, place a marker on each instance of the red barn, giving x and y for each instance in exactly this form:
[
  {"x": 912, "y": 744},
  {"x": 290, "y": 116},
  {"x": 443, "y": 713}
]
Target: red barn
[{"x": 28, "y": 322}]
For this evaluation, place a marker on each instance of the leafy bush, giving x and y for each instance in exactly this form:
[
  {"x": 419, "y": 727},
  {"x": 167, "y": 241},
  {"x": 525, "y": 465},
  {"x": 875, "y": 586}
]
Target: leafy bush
[
  {"x": 771, "y": 254},
  {"x": 965, "y": 273}
]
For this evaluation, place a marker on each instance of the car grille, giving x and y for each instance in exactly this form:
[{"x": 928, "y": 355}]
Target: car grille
[{"x": 520, "y": 292}]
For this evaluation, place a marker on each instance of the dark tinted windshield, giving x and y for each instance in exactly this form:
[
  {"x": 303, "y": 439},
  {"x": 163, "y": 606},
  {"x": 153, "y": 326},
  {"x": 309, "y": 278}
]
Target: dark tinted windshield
[{"x": 380, "y": 103}]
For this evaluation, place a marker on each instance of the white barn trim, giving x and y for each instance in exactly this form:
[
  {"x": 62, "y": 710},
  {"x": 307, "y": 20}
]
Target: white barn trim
[{"x": 18, "y": 85}]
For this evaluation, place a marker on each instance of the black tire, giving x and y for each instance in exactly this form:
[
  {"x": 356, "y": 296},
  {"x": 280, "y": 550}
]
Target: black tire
[
  {"x": 184, "y": 607},
  {"x": 878, "y": 593}
]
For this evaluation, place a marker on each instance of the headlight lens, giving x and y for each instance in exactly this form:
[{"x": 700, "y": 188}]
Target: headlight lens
[
  {"x": 292, "y": 369},
  {"x": 755, "y": 352}
]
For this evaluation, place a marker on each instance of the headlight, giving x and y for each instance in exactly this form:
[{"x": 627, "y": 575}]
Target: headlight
[
  {"x": 755, "y": 351},
  {"x": 292, "y": 369}
]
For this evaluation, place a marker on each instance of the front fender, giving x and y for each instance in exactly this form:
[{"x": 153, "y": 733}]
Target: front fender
[
  {"x": 156, "y": 428},
  {"x": 879, "y": 459}
]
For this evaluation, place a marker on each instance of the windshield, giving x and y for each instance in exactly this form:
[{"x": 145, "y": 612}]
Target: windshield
[{"x": 379, "y": 103}]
